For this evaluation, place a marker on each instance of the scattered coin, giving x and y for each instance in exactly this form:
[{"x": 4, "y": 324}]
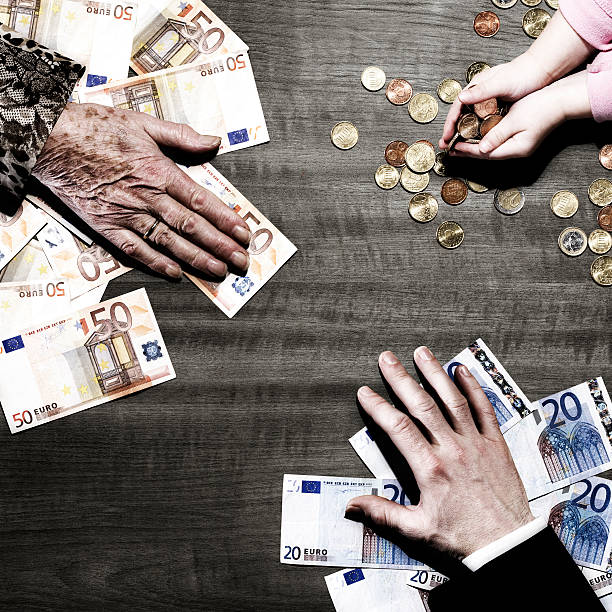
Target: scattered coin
[
  {"x": 420, "y": 157},
  {"x": 468, "y": 126},
  {"x": 474, "y": 69},
  {"x": 489, "y": 123},
  {"x": 427, "y": 143},
  {"x": 399, "y": 92},
  {"x": 423, "y": 207},
  {"x": 605, "y": 157},
  {"x": 601, "y": 270},
  {"x": 454, "y": 191},
  {"x": 509, "y": 201},
  {"x": 604, "y": 218},
  {"x": 448, "y": 90},
  {"x": 423, "y": 108},
  {"x": 554, "y": 4},
  {"x": 373, "y": 78},
  {"x": 486, "y": 107},
  {"x": 531, "y": 2},
  {"x": 450, "y": 235},
  {"x": 387, "y": 177},
  {"x": 600, "y": 241},
  {"x": 440, "y": 164},
  {"x": 344, "y": 135},
  {"x": 573, "y": 241},
  {"x": 413, "y": 181},
  {"x": 600, "y": 192},
  {"x": 477, "y": 187},
  {"x": 534, "y": 22},
  {"x": 504, "y": 4},
  {"x": 486, "y": 24},
  {"x": 564, "y": 204},
  {"x": 395, "y": 153}
]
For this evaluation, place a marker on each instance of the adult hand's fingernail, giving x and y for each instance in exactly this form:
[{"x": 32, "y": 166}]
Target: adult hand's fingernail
[
  {"x": 365, "y": 392},
  {"x": 218, "y": 268},
  {"x": 424, "y": 354},
  {"x": 210, "y": 141},
  {"x": 463, "y": 371},
  {"x": 174, "y": 270},
  {"x": 353, "y": 513},
  {"x": 240, "y": 260},
  {"x": 242, "y": 234},
  {"x": 389, "y": 358}
]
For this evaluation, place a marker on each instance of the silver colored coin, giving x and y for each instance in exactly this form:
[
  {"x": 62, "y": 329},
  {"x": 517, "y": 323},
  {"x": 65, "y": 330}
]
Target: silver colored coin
[
  {"x": 504, "y": 4},
  {"x": 373, "y": 78},
  {"x": 509, "y": 201}
]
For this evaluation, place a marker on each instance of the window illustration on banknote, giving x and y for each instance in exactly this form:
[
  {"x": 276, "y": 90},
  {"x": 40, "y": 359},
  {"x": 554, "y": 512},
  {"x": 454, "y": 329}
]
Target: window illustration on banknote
[
  {"x": 142, "y": 97},
  {"x": 20, "y": 15},
  {"x": 377, "y": 550}
]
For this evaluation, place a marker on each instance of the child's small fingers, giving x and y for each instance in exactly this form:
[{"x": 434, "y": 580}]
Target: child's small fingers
[
  {"x": 516, "y": 146},
  {"x": 498, "y": 135},
  {"x": 465, "y": 149}
]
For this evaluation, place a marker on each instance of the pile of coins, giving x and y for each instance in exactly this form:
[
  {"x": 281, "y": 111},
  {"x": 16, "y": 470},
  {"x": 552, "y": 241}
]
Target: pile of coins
[{"x": 487, "y": 23}]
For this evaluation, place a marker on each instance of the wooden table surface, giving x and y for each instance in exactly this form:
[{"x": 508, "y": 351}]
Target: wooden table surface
[{"x": 171, "y": 499}]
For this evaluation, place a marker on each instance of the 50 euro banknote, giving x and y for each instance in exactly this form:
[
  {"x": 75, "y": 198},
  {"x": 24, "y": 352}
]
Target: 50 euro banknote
[
  {"x": 17, "y": 230},
  {"x": 269, "y": 249},
  {"x": 315, "y": 532},
  {"x": 218, "y": 97},
  {"x": 170, "y": 34},
  {"x": 81, "y": 359}
]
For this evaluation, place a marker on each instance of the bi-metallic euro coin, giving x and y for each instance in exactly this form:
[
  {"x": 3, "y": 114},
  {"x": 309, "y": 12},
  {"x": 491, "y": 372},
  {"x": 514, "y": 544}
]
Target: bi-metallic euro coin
[
  {"x": 387, "y": 177},
  {"x": 573, "y": 241},
  {"x": 504, "y": 4},
  {"x": 531, "y": 3},
  {"x": 373, "y": 78},
  {"x": 509, "y": 201},
  {"x": 564, "y": 204},
  {"x": 601, "y": 271},
  {"x": 423, "y": 207},
  {"x": 450, "y": 235},
  {"x": 600, "y": 241},
  {"x": 344, "y": 135}
]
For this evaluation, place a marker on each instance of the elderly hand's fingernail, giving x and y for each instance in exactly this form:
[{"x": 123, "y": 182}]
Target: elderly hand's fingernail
[
  {"x": 240, "y": 260},
  {"x": 214, "y": 142},
  {"x": 424, "y": 354},
  {"x": 174, "y": 270},
  {"x": 365, "y": 392},
  {"x": 389, "y": 358},
  {"x": 218, "y": 268},
  {"x": 242, "y": 234},
  {"x": 353, "y": 513},
  {"x": 463, "y": 371}
]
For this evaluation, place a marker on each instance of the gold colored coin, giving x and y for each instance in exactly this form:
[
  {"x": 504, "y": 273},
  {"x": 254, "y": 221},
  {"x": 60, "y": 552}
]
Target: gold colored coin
[
  {"x": 420, "y": 157},
  {"x": 573, "y": 241},
  {"x": 474, "y": 69},
  {"x": 531, "y": 2},
  {"x": 387, "y": 177},
  {"x": 448, "y": 90},
  {"x": 534, "y": 22},
  {"x": 477, "y": 187},
  {"x": 423, "y": 207},
  {"x": 440, "y": 165},
  {"x": 344, "y": 135},
  {"x": 564, "y": 204},
  {"x": 423, "y": 108},
  {"x": 413, "y": 182},
  {"x": 600, "y": 192},
  {"x": 600, "y": 241},
  {"x": 554, "y": 4},
  {"x": 601, "y": 271},
  {"x": 450, "y": 235},
  {"x": 373, "y": 78}
]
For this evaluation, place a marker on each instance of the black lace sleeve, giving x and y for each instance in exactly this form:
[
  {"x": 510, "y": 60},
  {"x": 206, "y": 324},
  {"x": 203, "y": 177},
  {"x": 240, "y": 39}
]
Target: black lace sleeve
[{"x": 35, "y": 85}]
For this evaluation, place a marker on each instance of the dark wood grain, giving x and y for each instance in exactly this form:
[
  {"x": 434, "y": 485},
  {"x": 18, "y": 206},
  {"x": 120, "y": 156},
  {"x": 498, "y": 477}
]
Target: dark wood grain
[{"x": 171, "y": 499}]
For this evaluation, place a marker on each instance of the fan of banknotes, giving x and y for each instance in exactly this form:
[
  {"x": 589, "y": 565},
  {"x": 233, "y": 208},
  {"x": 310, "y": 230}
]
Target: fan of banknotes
[
  {"x": 561, "y": 444},
  {"x": 67, "y": 350}
]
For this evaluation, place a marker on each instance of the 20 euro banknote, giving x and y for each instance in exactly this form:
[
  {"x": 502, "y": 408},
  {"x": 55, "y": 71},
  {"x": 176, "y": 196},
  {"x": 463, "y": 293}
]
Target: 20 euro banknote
[
  {"x": 17, "y": 230},
  {"x": 269, "y": 249},
  {"x": 81, "y": 359},
  {"x": 315, "y": 532},
  {"x": 218, "y": 97}
]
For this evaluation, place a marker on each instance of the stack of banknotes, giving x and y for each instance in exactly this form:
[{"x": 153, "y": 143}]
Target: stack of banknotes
[
  {"x": 561, "y": 445},
  {"x": 61, "y": 350}
]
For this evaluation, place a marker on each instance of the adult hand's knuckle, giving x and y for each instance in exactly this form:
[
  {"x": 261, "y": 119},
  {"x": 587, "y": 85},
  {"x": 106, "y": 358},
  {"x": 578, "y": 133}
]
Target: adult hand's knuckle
[
  {"x": 187, "y": 224},
  {"x": 423, "y": 403},
  {"x": 128, "y": 246},
  {"x": 164, "y": 237},
  {"x": 456, "y": 404},
  {"x": 401, "y": 426}
]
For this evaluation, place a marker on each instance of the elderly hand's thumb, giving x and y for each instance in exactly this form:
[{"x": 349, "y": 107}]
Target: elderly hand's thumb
[{"x": 376, "y": 511}]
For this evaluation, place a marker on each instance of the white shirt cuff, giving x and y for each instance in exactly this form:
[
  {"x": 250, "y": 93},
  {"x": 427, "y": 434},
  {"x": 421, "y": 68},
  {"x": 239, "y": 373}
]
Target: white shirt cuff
[{"x": 497, "y": 548}]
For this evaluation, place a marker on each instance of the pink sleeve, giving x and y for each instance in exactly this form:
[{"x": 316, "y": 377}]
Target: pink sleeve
[
  {"x": 592, "y": 20},
  {"x": 599, "y": 83}
]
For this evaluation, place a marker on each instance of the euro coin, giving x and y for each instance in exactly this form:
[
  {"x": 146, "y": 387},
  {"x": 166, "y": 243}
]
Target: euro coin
[
  {"x": 427, "y": 143},
  {"x": 344, "y": 135},
  {"x": 573, "y": 241},
  {"x": 600, "y": 192},
  {"x": 423, "y": 207},
  {"x": 477, "y": 187},
  {"x": 489, "y": 123},
  {"x": 448, "y": 90},
  {"x": 564, "y": 204},
  {"x": 395, "y": 153},
  {"x": 474, "y": 69},
  {"x": 600, "y": 241},
  {"x": 412, "y": 181},
  {"x": 604, "y": 218},
  {"x": 423, "y": 108},
  {"x": 554, "y": 4},
  {"x": 486, "y": 107},
  {"x": 373, "y": 78},
  {"x": 531, "y": 3},
  {"x": 605, "y": 157},
  {"x": 601, "y": 270},
  {"x": 486, "y": 24},
  {"x": 504, "y": 4},
  {"x": 399, "y": 91},
  {"x": 420, "y": 157},
  {"x": 454, "y": 191},
  {"x": 387, "y": 177},
  {"x": 509, "y": 201},
  {"x": 534, "y": 22},
  {"x": 440, "y": 163},
  {"x": 468, "y": 126},
  {"x": 450, "y": 235}
]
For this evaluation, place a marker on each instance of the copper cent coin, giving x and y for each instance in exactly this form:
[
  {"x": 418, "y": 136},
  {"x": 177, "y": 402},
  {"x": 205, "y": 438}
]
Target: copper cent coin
[
  {"x": 395, "y": 152},
  {"x": 605, "y": 157},
  {"x": 486, "y": 107},
  {"x": 604, "y": 218},
  {"x": 486, "y": 24},
  {"x": 399, "y": 92},
  {"x": 489, "y": 123},
  {"x": 454, "y": 191}
]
